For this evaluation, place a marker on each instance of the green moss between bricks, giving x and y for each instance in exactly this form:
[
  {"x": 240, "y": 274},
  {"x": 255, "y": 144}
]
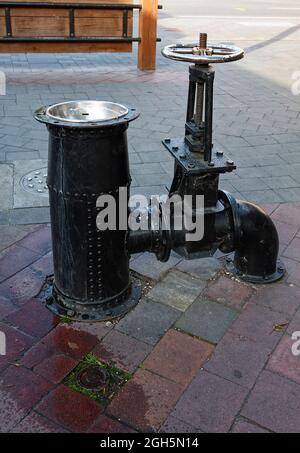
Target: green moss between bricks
[
  {"x": 117, "y": 379},
  {"x": 65, "y": 320}
]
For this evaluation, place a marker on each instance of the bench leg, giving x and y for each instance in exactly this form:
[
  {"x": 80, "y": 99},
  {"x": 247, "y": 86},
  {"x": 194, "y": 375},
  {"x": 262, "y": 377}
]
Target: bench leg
[{"x": 148, "y": 35}]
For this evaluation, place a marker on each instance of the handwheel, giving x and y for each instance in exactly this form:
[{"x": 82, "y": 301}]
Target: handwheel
[{"x": 192, "y": 53}]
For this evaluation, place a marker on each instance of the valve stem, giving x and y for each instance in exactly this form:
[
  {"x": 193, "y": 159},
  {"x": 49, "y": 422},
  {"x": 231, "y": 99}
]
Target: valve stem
[
  {"x": 200, "y": 87},
  {"x": 203, "y": 41}
]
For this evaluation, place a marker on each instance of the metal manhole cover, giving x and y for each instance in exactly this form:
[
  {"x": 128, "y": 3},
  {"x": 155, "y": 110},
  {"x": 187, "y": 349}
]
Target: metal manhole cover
[
  {"x": 35, "y": 182},
  {"x": 93, "y": 377}
]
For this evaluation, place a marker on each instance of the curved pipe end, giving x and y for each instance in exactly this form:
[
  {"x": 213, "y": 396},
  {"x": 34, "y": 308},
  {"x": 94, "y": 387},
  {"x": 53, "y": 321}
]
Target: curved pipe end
[{"x": 256, "y": 244}]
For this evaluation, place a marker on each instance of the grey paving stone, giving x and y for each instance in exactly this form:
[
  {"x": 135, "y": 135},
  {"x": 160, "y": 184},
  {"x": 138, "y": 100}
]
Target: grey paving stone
[
  {"x": 207, "y": 320},
  {"x": 231, "y": 141},
  {"x": 292, "y": 158},
  {"x": 12, "y": 131},
  {"x": 281, "y": 182},
  {"x": 134, "y": 158},
  {"x": 249, "y": 184},
  {"x": 10, "y": 234},
  {"x": 28, "y": 216},
  {"x": 205, "y": 268},
  {"x": 154, "y": 156},
  {"x": 15, "y": 141},
  {"x": 6, "y": 178},
  {"x": 4, "y": 217},
  {"x": 146, "y": 169},
  {"x": 148, "y": 322},
  {"x": 148, "y": 191},
  {"x": 177, "y": 289},
  {"x": 287, "y": 138},
  {"x": 289, "y": 195},
  {"x": 263, "y": 196},
  {"x": 261, "y": 140},
  {"x": 154, "y": 179},
  {"x": 21, "y": 154},
  {"x": 38, "y": 144},
  {"x": 23, "y": 198},
  {"x": 148, "y": 265}
]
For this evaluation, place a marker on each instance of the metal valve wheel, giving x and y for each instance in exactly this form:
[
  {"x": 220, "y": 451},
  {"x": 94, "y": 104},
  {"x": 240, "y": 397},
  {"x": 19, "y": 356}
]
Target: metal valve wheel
[{"x": 193, "y": 53}]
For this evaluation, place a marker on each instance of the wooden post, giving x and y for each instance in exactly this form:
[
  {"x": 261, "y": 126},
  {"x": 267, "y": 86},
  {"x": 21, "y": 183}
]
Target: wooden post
[{"x": 148, "y": 35}]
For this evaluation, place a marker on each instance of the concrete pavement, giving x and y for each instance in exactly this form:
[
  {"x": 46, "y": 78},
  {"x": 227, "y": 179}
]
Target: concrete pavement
[{"x": 256, "y": 114}]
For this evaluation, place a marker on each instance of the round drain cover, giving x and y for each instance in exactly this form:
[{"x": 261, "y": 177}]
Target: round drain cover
[
  {"x": 35, "y": 182},
  {"x": 93, "y": 377}
]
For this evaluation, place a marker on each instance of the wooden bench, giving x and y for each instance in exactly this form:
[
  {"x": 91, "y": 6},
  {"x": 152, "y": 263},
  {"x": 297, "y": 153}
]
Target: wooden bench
[{"x": 85, "y": 26}]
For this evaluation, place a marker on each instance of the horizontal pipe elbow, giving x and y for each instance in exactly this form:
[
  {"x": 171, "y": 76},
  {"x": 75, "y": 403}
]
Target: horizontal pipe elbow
[{"x": 256, "y": 244}]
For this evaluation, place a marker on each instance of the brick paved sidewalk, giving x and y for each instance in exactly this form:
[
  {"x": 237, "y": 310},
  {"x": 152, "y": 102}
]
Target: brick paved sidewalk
[{"x": 206, "y": 353}]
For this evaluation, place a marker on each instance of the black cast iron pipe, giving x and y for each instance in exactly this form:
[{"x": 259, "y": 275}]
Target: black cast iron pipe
[
  {"x": 255, "y": 242},
  {"x": 241, "y": 227}
]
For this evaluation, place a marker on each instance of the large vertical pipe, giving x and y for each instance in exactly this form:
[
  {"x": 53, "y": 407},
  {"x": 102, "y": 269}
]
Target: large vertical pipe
[{"x": 87, "y": 159}]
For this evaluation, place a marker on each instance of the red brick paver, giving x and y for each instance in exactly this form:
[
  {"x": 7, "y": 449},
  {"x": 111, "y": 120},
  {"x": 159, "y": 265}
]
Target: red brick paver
[
  {"x": 145, "y": 401},
  {"x": 173, "y": 425},
  {"x": 293, "y": 271},
  {"x": 37, "y": 354},
  {"x": 243, "y": 427},
  {"x": 22, "y": 286},
  {"x": 178, "y": 357},
  {"x": 33, "y": 318},
  {"x": 15, "y": 258},
  {"x": 280, "y": 297},
  {"x": 55, "y": 368},
  {"x": 39, "y": 241},
  {"x": 258, "y": 324},
  {"x": 6, "y": 307},
  {"x": 72, "y": 410},
  {"x": 284, "y": 362},
  {"x": 20, "y": 390},
  {"x": 230, "y": 292},
  {"x": 44, "y": 264},
  {"x": 124, "y": 352},
  {"x": 239, "y": 359},
  {"x": 210, "y": 403},
  {"x": 35, "y": 423},
  {"x": 274, "y": 404},
  {"x": 293, "y": 250},
  {"x": 69, "y": 341},
  {"x": 17, "y": 344},
  {"x": 107, "y": 425}
]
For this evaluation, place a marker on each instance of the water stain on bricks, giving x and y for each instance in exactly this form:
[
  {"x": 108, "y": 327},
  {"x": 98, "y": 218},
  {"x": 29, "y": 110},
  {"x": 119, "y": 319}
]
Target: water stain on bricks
[{"x": 141, "y": 407}]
